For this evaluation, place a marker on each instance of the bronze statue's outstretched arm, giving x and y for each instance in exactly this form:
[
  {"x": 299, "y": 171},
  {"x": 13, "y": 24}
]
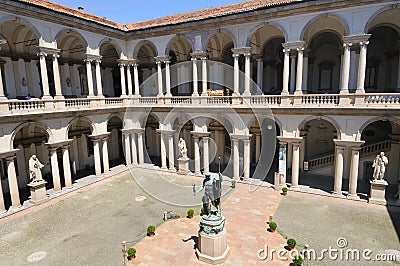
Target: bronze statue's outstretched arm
[{"x": 198, "y": 190}]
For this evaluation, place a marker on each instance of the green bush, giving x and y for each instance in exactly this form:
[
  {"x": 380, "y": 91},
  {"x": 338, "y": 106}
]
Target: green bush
[
  {"x": 297, "y": 261},
  {"x": 273, "y": 225},
  {"x": 131, "y": 252},
  {"x": 291, "y": 242},
  {"x": 284, "y": 189},
  {"x": 233, "y": 182},
  {"x": 190, "y": 212},
  {"x": 151, "y": 229},
  {"x": 202, "y": 211}
]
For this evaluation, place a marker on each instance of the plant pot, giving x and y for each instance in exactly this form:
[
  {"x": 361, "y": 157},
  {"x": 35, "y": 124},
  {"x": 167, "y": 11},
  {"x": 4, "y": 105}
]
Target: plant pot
[
  {"x": 272, "y": 230},
  {"x": 284, "y": 193},
  {"x": 190, "y": 216},
  {"x": 131, "y": 258},
  {"x": 151, "y": 234}
]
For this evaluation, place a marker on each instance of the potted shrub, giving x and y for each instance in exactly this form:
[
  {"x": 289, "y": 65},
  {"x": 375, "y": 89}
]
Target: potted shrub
[
  {"x": 233, "y": 183},
  {"x": 151, "y": 229},
  {"x": 298, "y": 261},
  {"x": 131, "y": 253},
  {"x": 284, "y": 190},
  {"x": 202, "y": 211},
  {"x": 190, "y": 213},
  {"x": 272, "y": 226},
  {"x": 291, "y": 243}
]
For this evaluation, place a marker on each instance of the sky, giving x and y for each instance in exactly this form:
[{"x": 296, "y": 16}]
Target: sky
[{"x": 129, "y": 11}]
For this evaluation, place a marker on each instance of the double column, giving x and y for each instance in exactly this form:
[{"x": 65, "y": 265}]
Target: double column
[
  {"x": 100, "y": 143},
  {"x": 9, "y": 158},
  {"x": 205, "y": 138},
  {"x": 293, "y": 73},
  {"x": 197, "y": 56},
  {"x": 133, "y": 143},
  {"x": 43, "y": 53},
  {"x": 125, "y": 66},
  {"x": 159, "y": 61},
  {"x": 88, "y": 61},
  {"x": 295, "y": 144},
  {"x": 246, "y": 51},
  {"x": 236, "y": 156},
  {"x": 167, "y": 136},
  {"x": 55, "y": 170}
]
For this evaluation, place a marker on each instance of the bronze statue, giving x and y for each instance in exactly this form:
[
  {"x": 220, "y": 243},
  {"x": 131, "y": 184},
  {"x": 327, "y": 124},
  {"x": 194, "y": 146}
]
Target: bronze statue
[{"x": 212, "y": 193}]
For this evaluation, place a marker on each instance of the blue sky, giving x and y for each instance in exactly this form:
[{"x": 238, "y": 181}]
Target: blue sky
[{"x": 128, "y": 11}]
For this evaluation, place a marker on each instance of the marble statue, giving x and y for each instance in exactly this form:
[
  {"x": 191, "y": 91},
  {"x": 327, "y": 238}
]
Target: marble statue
[
  {"x": 182, "y": 148},
  {"x": 379, "y": 166},
  {"x": 212, "y": 193},
  {"x": 35, "y": 166}
]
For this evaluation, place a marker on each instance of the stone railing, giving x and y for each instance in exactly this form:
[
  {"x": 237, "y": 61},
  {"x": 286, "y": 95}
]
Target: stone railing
[
  {"x": 321, "y": 161},
  {"x": 272, "y": 101}
]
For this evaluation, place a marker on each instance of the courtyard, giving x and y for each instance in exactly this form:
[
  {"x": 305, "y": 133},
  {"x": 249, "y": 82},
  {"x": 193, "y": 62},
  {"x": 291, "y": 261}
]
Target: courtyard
[{"x": 87, "y": 226}]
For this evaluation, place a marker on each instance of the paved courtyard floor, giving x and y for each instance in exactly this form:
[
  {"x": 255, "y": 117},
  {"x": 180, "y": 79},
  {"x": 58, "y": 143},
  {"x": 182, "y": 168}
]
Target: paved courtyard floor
[{"x": 87, "y": 226}]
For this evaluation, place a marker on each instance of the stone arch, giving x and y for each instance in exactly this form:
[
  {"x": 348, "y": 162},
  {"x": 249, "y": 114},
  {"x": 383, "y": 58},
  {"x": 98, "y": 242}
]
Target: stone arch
[
  {"x": 221, "y": 44},
  {"x": 342, "y": 29},
  {"x": 116, "y": 46},
  {"x": 143, "y": 43},
  {"x": 118, "y": 115},
  {"x": 384, "y": 13},
  {"x": 178, "y": 38},
  {"x": 260, "y": 26},
  {"x": 81, "y": 118},
  {"x": 320, "y": 117},
  {"x": 376, "y": 119},
  {"x": 43, "y": 126},
  {"x": 68, "y": 31},
  {"x": 22, "y": 21}
]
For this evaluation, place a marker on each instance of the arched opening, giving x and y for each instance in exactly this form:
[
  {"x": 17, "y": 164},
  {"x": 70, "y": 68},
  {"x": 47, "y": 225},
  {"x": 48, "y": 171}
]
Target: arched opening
[
  {"x": 152, "y": 141},
  {"x": 114, "y": 142},
  {"x": 73, "y": 74},
  {"x": 111, "y": 76},
  {"x": 19, "y": 62},
  {"x": 220, "y": 145},
  {"x": 147, "y": 67}
]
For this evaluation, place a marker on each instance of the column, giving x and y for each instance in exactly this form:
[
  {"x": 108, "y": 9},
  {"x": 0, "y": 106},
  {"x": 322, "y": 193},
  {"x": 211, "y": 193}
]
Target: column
[
  {"x": 258, "y": 146},
  {"x": 106, "y": 165},
  {"x": 206, "y": 154},
  {"x": 43, "y": 74},
  {"x": 134, "y": 149},
  {"x": 260, "y": 69},
  {"x": 89, "y": 77},
  {"x": 247, "y": 57},
  {"x": 355, "y": 160},
  {"x": 171, "y": 152},
  {"x": 22, "y": 174},
  {"x": 337, "y": 188},
  {"x": 129, "y": 78},
  {"x": 55, "y": 170},
  {"x": 204, "y": 76},
  {"x": 196, "y": 156},
  {"x": 305, "y": 72},
  {"x": 123, "y": 82},
  {"x": 76, "y": 165},
  {"x": 236, "y": 74},
  {"x": 12, "y": 182},
  {"x": 292, "y": 74},
  {"x": 2, "y": 98},
  {"x": 140, "y": 147},
  {"x": 45, "y": 154},
  {"x": 97, "y": 159},
  {"x": 98, "y": 79},
  {"x": 56, "y": 74},
  {"x": 295, "y": 164},
  {"x": 66, "y": 167},
  {"x": 362, "y": 65},
  {"x": 167, "y": 80},
  {"x": 235, "y": 149},
  {"x": 398, "y": 73},
  {"x": 246, "y": 159},
  {"x": 285, "y": 89},
  {"x": 299, "y": 72},
  {"x": 136, "y": 78},
  {"x": 2, "y": 206},
  {"x": 195, "y": 85},
  {"x": 163, "y": 152},
  {"x": 346, "y": 69},
  {"x": 127, "y": 145}
]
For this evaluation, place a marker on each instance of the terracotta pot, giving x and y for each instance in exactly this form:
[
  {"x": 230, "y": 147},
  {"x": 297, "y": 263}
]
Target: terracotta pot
[
  {"x": 190, "y": 217},
  {"x": 151, "y": 234},
  {"x": 131, "y": 258}
]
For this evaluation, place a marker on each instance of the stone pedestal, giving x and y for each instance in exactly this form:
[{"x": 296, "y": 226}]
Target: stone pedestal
[
  {"x": 38, "y": 191},
  {"x": 212, "y": 244},
  {"x": 183, "y": 166},
  {"x": 378, "y": 189}
]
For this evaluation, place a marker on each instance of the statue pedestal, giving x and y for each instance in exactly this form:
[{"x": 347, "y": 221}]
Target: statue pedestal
[
  {"x": 378, "y": 189},
  {"x": 38, "y": 191},
  {"x": 212, "y": 247},
  {"x": 183, "y": 168}
]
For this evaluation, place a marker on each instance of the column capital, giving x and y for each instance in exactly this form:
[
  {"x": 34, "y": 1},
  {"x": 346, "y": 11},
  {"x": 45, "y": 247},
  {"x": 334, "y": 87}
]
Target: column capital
[
  {"x": 56, "y": 145},
  {"x": 45, "y": 51},
  {"x": 162, "y": 58},
  {"x": 293, "y": 45},
  {"x": 243, "y": 137},
  {"x": 353, "y": 144},
  {"x": 356, "y": 38},
  {"x": 242, "y": 50},
  {"x": 165, "y": 131},
  {"x": 198, "y": 55},
  {"x": 291, "y": 140},
  {"x": 235, "y": 55},
  {"x": 99, "y": 136},
  {"x": 200, "y": 134},
  {"x": 8, "y": 154},
  {"x": 122, "y": 62},
  {"x": 93, "y": 57}
]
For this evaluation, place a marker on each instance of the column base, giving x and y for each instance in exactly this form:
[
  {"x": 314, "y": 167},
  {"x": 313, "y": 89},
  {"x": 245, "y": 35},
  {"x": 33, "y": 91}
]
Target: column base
[
  {"x": 353, "y": 197},
  {"x": 172, "y": 170},
  {"x": 59, "y": 97},
  {"x": 47, "y": 97},
  {"x": 164, "y": 169},
  {"x": 295, "y": 188},
  {"x": 338, "y": 194},
  {"x": 198, "y": 174}
]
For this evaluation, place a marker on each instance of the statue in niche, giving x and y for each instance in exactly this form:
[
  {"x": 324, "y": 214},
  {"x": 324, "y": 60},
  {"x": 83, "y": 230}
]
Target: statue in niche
[
  {"x": 182, "y": 148},
  {"x": 379, "y": 166},
  {"x": 35, "y": 166}
]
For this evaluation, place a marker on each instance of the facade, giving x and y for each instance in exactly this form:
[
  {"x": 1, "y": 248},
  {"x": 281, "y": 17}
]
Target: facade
[{"x": 327, "y": 70}]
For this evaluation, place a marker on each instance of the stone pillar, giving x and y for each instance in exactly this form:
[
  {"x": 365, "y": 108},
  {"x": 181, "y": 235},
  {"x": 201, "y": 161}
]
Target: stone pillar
[
  {"x": 258, "y": 146},
  {"x": 355, "y": 160},
  {"x": 129, "y": 78},
  {"x": 127, "y": 145},
  {"x": 76, "y": 165},
  {"x": 159, "y": 79},
  {"x": 285, "y": 89},
  {"x": 260, "y": 69},
  {"x": 56, "y": 74},
  {"x": 305, "y": 73},
  {"x": 337, "y": 188},
  {"x": 134, "y": 149},
  {"x": 235, "y": 144},
  {"x": 195, "y": 85},
  {"x": 97, "y": 158},
  {"x": 362, "y": 65},
  {"x": 171, "y": 152},
  {"x": 292, "y": 75},
  {"x": 196, "y": 155},
  {"x": 204, "y": 76},
  {"x": 106, "y": 164},
  {"x": 295, "y": 164},
  {"x": 140, "y": 147},
  {"x": 136, "y": 78},
  {"x": 163, "y": 152},
  {"x": 66, "y": 167},
  {"x": 236, "y": 74},
  {"x": 2, "y": 205},
  {"x": 89, "y": 77},
  {"x": 398, "y": 73},
  {"x": 167, "y": 80},
  {"x": 123, "y": 82},
  {"x": 346, "y": 69},
  {"x": 22, "y": 174},
  {"x": 299, "y": 72},
  {"x": 43, "y": 74},
  {"x": 2, "y": 98},
  {"x": 247, "y": 57},
  {"x": 98, "y": 79},
  {"x": 12, "y": 182},
  {"x": 206, "y": 154},
  {"x": 55, "y": 170},
  {"x": 246, "y": 159}
]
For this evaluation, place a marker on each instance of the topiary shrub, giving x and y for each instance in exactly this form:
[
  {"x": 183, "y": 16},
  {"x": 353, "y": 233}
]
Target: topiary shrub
[
  {"x": 150, "y": 230},
  {"x": 233, "y": 183},
  {"x": 284, "y": 189},
  {"x": 202, "y": 212},
  {"x": 272, "y": 226},
  {"x": 291, "y": 243},
  {"x": 190, "y": 213},
  {"x": 297, "y": 261},
  {"x": 131, "y": 253}
]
